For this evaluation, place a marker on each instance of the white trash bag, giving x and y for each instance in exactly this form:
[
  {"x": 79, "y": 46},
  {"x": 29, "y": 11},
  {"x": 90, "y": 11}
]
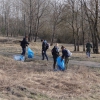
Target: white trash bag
[
  {"x": 19, "y": 57},
  {"x": 69, "y": 53}
]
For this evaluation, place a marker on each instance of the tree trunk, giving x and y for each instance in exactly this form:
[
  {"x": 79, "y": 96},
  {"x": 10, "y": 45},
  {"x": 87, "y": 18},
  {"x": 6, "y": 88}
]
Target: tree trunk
[
  {"x": 53, "y": 34},
  {"x": 82, "y": 23},
  {"x": 30, "y": 23}
]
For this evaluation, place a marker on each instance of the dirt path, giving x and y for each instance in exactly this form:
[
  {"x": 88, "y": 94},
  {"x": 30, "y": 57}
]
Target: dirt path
[
  {"x": 85, "y": 63},
  {"x": 73, "y": 62}
]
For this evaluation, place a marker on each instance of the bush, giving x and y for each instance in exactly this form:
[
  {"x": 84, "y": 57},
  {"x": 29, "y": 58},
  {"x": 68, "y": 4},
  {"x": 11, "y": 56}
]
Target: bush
[{"x": 65, "y": 38}]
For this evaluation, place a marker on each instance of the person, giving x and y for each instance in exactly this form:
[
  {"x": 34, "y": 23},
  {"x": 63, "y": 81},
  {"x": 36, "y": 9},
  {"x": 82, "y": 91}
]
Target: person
[
  {"x": 24, "y": 43},
  {"x": 65, "y": 56},
  {"x": 44, "y": 49},
  {"x": 88, "y": 49},
  {"x": 55, "y": 54}
]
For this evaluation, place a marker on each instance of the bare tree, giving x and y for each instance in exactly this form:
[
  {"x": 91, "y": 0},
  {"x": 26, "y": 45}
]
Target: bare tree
[
  {"x": 82, "y": 23},
  {"x": 34, "y": 11},
  {"x": 92, "y": 15},
  {"x": 41, "y": 7},
  {"x": 75, "y": 22},
  {"x": 55, "y": 17}
]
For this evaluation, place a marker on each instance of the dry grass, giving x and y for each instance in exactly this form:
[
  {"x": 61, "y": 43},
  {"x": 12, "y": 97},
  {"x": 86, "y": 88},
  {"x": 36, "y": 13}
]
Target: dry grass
[{"x": 35, "y": 80}]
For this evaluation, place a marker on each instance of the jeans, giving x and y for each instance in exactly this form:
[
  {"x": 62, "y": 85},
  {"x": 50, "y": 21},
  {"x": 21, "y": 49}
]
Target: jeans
[
  {"x": 55, "y": 60},
  {"x": 23, "y": 51},
  {"x": 44, "y": 55},
  {"x": 66, "y": 62},
  {"x": 88, "y": 54}
]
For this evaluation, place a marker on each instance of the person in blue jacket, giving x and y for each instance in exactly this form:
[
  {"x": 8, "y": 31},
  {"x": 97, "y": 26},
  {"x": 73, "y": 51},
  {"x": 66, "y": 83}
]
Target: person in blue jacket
[
  {"x": 44, "y": 49},
  {"x": 65, "y": 56}
]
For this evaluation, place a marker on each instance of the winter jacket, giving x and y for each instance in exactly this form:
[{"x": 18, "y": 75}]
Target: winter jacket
[
  {"x": 88, "y": 46},
  {"x": 24, "y": 43},
  {"x": 44, "y": 46},
  {"x": 64, "y": 53},
  {"x": 55, "y": 51}
]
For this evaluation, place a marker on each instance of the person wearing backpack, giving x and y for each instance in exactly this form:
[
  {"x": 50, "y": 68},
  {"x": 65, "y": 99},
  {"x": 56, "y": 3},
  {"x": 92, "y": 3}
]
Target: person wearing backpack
[
  {"x": 65, "y": 56},
  {"x": 55, "y": 54},
  {"x": 47, "y": 45},
  {"x": 44, "y": 49},
  {"x": 23, "y": 44}
]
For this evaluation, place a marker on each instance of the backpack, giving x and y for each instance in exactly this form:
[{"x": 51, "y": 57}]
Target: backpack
[
  {"x": 69, "y": 53},
  {"x": 47, "y": 46}
]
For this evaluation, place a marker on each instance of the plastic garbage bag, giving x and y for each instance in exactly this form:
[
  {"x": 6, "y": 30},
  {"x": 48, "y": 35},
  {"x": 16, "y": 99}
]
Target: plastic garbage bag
[
  {"x": 69, "y": 53},
  {"x": 19, "y": 57},
  {"x": 22, "y": 58},
  {"x": 30, "y": 53},
  {"x": 60, "y": 64}
]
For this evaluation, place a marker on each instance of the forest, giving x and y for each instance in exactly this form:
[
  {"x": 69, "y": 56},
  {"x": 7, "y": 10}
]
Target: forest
[{"x": 64, "y": 21}]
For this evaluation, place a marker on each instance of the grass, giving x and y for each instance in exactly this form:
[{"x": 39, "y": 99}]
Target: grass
[{"x": 35, "y": 79}]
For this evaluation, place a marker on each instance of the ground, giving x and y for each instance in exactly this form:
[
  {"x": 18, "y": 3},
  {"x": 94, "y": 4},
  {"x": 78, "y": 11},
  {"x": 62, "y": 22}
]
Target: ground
[{"x": 35, "y": 79}]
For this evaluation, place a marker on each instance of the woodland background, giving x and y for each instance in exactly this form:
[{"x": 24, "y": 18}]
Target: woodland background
[{"x": 63, "y": 21}]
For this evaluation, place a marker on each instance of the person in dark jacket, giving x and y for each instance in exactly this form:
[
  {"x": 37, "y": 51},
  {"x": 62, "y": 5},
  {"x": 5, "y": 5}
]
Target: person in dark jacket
[
  {"x": 55, "y": 53},
  {"x": 44, "y": 49},
  {"x": 24, "y": 43},
  {"x": 65, "y": 56},
  {"x": 88, "y": 49}
]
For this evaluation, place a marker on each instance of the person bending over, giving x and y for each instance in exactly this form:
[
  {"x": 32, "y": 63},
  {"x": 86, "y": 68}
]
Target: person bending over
[{"x": 65, "y": 56}]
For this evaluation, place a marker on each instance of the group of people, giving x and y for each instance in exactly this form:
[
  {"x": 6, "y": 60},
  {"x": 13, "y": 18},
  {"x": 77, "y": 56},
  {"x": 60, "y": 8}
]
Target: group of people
[
  {"x": 54, "y": 51},
  {"x": 55, "y": 54}
]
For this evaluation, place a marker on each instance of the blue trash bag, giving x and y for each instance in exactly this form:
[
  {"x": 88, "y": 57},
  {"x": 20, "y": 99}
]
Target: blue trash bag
[
  {"x": 30, "y": 53},
  {"x": 19, "y": 57},
  {"x": 22, "y": 58},
  {"x": 60, "y": 64}
]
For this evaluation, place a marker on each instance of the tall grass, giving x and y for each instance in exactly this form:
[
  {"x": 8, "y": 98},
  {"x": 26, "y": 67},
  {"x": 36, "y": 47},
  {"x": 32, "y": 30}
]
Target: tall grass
[{"x": 36, "y": 80}]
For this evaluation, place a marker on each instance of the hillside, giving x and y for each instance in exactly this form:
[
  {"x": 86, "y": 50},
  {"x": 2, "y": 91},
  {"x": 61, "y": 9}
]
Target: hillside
[{"x": 35, "y": 80}]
